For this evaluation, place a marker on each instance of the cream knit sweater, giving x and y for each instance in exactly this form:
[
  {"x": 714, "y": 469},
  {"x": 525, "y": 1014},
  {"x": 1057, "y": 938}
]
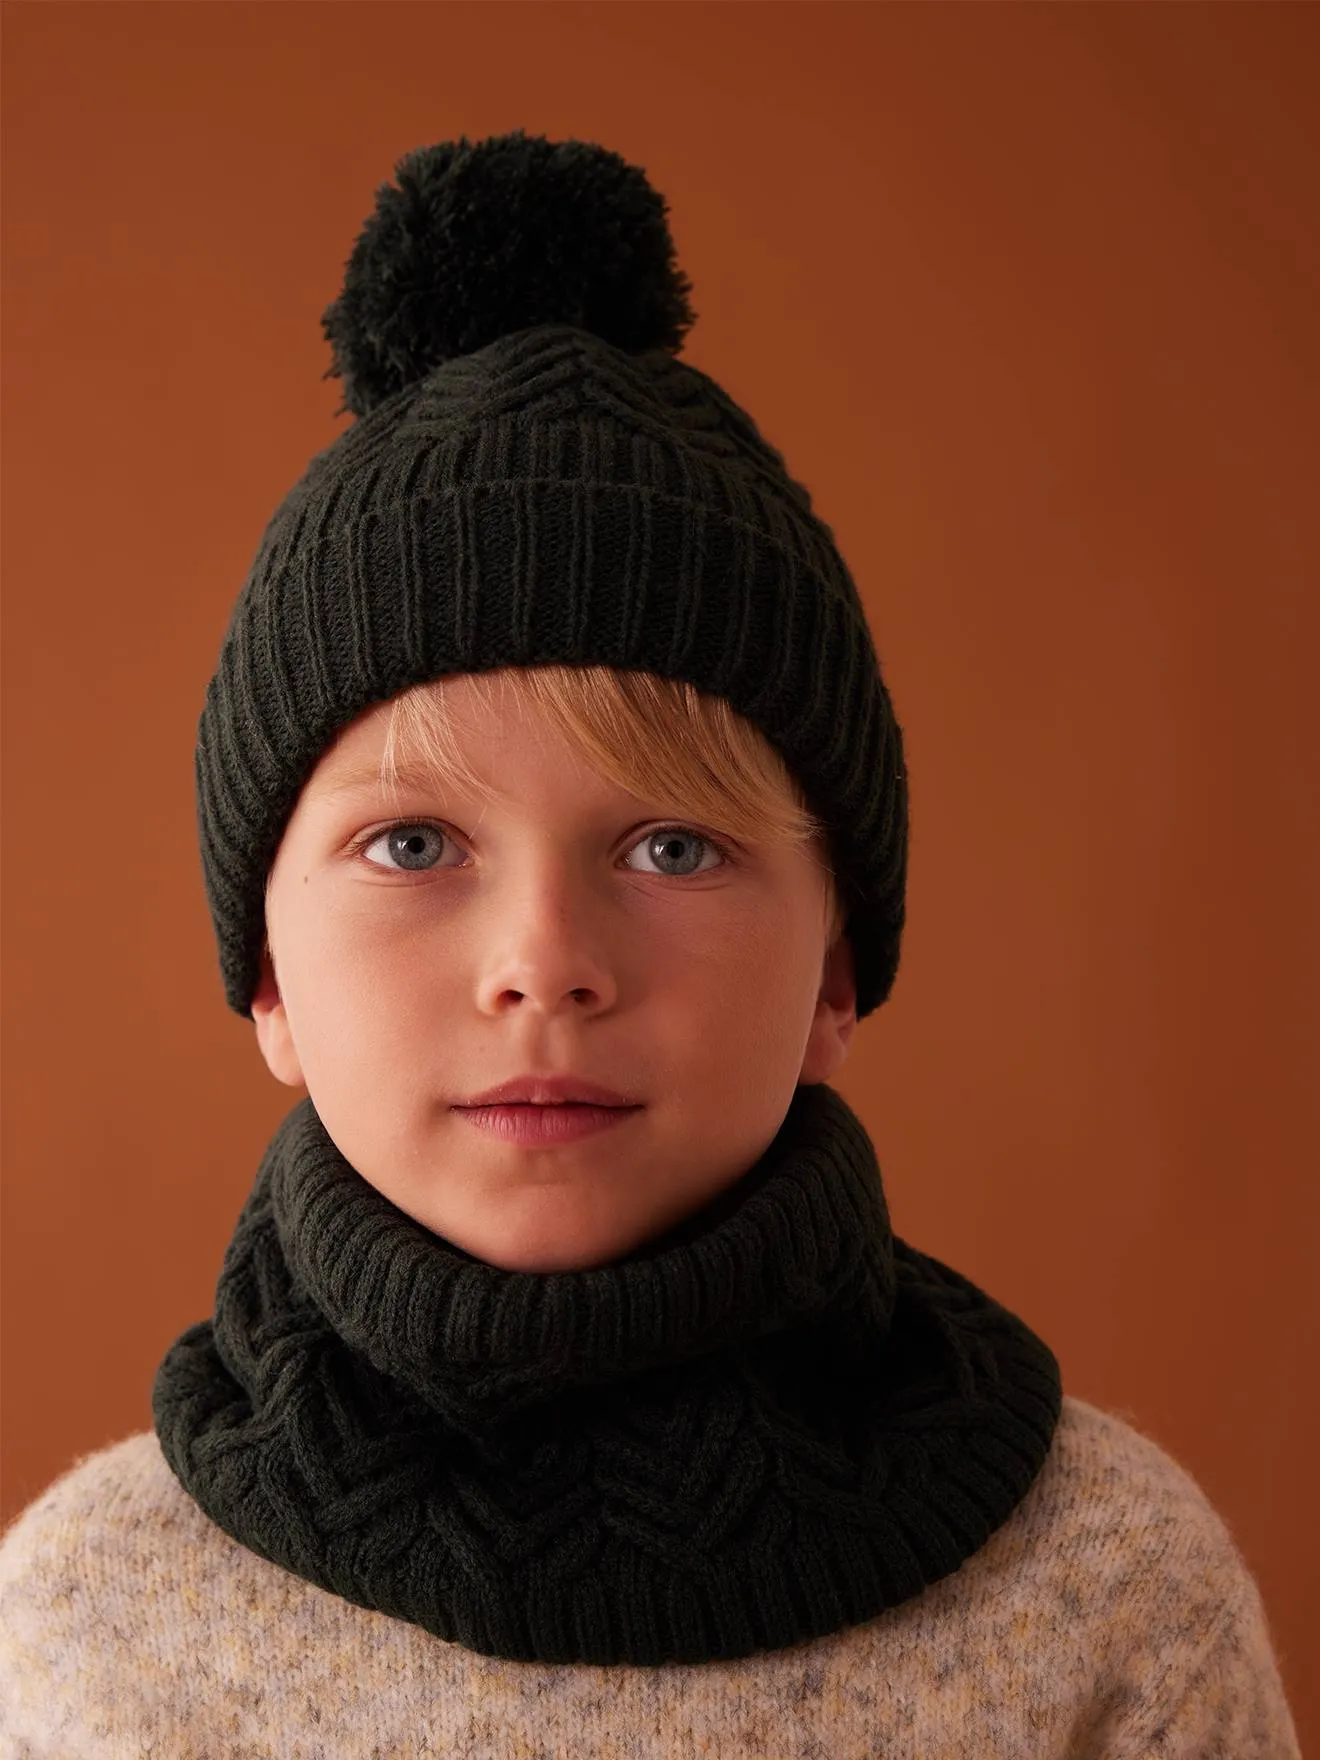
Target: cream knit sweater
[{"x": 1112, "y": 1616}]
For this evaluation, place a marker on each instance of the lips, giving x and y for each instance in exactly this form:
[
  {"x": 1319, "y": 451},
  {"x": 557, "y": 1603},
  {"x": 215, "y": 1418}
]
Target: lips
[
  {"x": 548, "y": 1091},
  {"x": 546, "y": 1127}
]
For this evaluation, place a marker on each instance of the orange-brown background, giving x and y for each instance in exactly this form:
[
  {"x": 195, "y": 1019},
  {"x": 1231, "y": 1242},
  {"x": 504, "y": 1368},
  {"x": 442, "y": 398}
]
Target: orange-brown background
[{"x": 1028, "y": 295}]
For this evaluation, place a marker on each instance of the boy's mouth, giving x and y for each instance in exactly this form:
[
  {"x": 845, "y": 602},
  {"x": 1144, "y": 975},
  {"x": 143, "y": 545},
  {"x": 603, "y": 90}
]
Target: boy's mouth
[
  {"x": 539, "y": 1125},
  {"x": 549, "y": 1090}
]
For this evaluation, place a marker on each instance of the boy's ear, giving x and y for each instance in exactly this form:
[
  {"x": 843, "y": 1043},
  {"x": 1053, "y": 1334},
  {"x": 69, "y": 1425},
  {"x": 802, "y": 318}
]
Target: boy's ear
[
  {"x": 835, "y": 1020},
  {"x": 272, "y": 1024}
]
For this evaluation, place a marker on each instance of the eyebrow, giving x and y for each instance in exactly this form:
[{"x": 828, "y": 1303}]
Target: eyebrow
[
  {"x": 412, "y": 774},
  {"x": 362, "y": 777}
]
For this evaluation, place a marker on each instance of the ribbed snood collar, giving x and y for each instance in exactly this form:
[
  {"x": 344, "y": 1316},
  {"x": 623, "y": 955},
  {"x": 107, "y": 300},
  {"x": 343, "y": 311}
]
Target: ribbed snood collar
[{"x": 773, "y": 1422}]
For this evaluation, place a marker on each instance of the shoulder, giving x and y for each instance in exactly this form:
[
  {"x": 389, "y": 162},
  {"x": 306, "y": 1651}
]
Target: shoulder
[
  {"x": 104, "y": 1536},
  {"x": 72, "y": 1586},
  {"x": 1122, "y": 1493},
  {"x": 113, "y": 1584},
  {"x": 100, "y": 1489},
  {"x": 1130, "y": 1540},
  {"x": 101, "y": 1507},
  {"x": 118, "y": 1522},
  {"x": 1182, "y": 1638},
  {"x": 111, "y": 1559}
]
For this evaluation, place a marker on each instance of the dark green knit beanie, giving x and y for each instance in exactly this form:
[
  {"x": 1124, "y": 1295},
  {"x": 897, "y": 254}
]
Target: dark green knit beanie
[{"x": 534, "y": 477}]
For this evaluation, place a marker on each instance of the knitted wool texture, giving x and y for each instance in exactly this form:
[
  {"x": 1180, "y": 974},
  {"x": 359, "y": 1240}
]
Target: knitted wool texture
[
  {"x": 1112, "y": 1616},
  {"x": 771, "y": 1423},
  {"x": 534, "y": 477}
]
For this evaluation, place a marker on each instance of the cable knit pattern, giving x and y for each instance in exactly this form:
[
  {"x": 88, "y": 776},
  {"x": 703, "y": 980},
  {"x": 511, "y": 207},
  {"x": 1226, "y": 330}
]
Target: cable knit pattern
[
  {"x": 1111, "y": 1617},
  {"x": 770, "y": 1422}
]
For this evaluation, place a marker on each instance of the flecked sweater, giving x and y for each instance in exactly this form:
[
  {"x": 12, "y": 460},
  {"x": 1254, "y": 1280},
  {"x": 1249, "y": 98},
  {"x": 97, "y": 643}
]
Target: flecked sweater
[{"x": 1112, "y": 1616}]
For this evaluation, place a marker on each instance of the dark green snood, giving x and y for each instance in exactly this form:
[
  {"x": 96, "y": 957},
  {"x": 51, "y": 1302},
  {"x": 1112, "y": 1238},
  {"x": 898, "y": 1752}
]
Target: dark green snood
[{"x": 774, "y": 1422}]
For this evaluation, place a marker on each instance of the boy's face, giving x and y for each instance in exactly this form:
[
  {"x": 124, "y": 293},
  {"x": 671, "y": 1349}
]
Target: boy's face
[{"x": 541, "y": 933}]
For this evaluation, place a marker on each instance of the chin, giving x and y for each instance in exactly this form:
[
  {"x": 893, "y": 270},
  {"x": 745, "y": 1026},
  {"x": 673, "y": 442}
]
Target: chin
[{"x": 543, "y": 1255}]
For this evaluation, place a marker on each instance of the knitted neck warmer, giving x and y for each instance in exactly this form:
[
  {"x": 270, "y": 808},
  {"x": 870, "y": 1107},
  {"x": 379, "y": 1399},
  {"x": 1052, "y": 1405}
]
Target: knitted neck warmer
[{"x": 776, "y": 1421}]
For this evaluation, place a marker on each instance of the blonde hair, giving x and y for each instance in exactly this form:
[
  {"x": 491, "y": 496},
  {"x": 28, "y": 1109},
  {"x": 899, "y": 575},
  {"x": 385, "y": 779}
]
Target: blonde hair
[{"x": 647, "y": 735}]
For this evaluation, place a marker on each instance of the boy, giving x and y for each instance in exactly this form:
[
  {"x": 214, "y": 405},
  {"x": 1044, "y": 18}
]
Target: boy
[{"x": 567, "y": 1391}]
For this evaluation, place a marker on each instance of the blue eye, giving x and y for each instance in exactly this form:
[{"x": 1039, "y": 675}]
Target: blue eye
[
  {"x": 668, "y": 844},
  {"x": 407, "y": 842}
]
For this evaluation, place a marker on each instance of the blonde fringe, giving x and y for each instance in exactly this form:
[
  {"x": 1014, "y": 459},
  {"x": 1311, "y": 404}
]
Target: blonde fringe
[
  {"x": 643, "y": 733},
  {"x": 649, "y": 735}
]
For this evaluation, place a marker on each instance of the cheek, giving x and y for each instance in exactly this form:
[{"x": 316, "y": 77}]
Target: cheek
[
  {"x": 768, "y": 953},
  {"x": 751, "y": 993},
  {"x": 359, "y": 1001}
]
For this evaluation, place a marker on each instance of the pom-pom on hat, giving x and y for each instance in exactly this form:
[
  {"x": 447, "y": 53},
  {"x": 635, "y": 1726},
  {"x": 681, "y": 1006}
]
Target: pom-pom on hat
[
  {"x": 533, "y": 477},
  {"x": 479, "y": 241}
]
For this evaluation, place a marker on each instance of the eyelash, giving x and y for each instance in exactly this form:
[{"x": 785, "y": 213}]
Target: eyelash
[{"x": 364, "y": 843}]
